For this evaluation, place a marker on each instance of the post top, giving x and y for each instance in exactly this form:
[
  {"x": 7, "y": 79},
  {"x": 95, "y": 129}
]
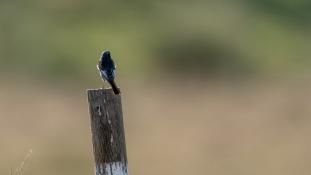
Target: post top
[{"x": 101, "y": 90}]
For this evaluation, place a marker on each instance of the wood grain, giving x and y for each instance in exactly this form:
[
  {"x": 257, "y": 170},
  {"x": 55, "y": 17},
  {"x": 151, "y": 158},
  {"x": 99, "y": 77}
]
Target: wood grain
[{"x": 107, "y": 132}]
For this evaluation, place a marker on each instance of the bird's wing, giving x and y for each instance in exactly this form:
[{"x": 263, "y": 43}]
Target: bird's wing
[{"x": 104, "y": 74}]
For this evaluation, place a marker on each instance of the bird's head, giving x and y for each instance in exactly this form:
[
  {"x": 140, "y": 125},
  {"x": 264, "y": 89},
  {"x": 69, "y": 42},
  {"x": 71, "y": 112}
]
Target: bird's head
[{"x": 106, "y": 54}]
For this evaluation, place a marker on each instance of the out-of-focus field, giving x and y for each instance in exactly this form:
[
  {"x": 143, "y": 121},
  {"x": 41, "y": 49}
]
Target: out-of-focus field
[
  {"x": 217, "y": 128},
  {"x": 209, "y": 87}
]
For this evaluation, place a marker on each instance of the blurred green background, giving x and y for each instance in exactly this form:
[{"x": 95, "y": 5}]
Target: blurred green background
[{"x": 232, "y": 76}]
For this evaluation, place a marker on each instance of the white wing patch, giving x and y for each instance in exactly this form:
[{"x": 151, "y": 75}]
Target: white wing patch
[
  {"x": 103, "y": 74},
  {"x": 114, "y": 72}
]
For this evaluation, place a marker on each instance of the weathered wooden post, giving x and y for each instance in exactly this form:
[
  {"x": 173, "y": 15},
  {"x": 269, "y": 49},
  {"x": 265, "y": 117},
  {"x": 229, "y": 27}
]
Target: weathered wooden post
[{"x": 107, "y": 132}]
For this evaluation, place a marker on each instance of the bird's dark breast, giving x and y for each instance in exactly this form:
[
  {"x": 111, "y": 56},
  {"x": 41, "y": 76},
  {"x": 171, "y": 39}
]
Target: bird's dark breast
[{"x": 107, "y": 64}]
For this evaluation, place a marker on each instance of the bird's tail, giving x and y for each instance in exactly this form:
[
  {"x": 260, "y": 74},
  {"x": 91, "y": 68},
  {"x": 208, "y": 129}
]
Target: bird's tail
[{"x": 114, "y": 87}]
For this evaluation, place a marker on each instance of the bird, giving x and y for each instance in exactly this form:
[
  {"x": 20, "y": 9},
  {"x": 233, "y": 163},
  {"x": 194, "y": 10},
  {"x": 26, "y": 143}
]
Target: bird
[{"x": 107, "y": 70}]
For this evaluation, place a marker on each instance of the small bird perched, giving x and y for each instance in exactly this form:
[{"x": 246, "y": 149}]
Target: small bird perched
[{"x": 107, "y": 70}]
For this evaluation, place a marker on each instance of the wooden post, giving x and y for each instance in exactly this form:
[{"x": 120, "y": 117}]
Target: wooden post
[{"x": 107, "y": 132}]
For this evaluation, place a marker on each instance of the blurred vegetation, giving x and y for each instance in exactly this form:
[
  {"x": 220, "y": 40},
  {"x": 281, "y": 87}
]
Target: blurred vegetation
[
  {"x": 297, "y": 12},
  {"x": 63, "y": 39},
  {"x": 197, "y": 54},
  {"x": 257, "y": 127}
]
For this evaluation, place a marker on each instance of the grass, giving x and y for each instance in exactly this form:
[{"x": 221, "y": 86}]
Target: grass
[
  {"x": 22, "y": 167},
  {"x": 259, "y": 127}
]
